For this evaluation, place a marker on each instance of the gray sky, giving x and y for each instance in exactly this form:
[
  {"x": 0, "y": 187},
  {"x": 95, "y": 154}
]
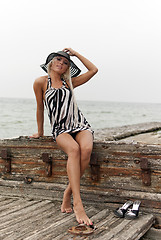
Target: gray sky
[{"x": 121, "y": 37}]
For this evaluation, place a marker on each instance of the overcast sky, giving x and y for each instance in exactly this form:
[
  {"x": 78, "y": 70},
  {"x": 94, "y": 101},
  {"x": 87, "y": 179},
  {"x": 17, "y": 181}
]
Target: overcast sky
[{"x": 121, "y": 37}]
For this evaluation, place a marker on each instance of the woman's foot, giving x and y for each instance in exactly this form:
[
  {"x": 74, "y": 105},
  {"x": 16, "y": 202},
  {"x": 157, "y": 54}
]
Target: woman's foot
[
  {"x": 81, "y": 216},
  {"x": 66, "y": 204}
]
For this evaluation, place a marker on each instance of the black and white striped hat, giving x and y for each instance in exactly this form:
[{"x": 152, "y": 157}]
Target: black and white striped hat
[{"x": 74, "y": 70}]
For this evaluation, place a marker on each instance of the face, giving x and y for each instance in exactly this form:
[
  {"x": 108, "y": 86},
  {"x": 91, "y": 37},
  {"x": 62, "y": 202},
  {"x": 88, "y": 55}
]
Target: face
[{"x": 60, "y": 64}]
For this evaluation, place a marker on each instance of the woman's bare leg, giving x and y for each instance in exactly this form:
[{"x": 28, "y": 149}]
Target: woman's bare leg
[
  {"x": 66, "y": 203},
  {"x": 85, "y": 141},
  {"x": 72, "y": 148}
]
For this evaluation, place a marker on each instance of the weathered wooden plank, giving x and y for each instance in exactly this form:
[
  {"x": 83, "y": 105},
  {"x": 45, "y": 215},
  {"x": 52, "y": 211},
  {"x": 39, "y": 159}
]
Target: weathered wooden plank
[
  {"x": 18, "y": 213},
  {"x": 152, "y": 234},
  {"x": 11, "y": 207},
  {"x": 119, "y": 151},
  {"x": 3, "y": 199},
  {"x": 137, "y": 231},
  {"x": 4, "y": 202},
  {"x": 59, "y": 221},
  {"x": 119, "y": 173},
  {"x": 151, "y": 202},
  {"x": 129, "y": 230},
  {"x": 103, "y": 226},
  {"x": 47, "y": 220},
  {"x": 31, "y": 211},
  {"x": 95, "y": 215},
  {"x": 13, "y": 225},
  {"x": 97, "y": 218},
  {"x": 112, "y": 228},
  {"x": 33, "y": 219},
  {"x": 106, "y": 225}
]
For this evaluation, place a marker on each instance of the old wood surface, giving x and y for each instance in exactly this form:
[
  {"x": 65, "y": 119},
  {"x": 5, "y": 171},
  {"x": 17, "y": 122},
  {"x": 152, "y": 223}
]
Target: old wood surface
[
  {"x": 30, "y": 219},
  {"x": 114, "y": 174},
  {"x": 113, "y": 164},
  {"x": 54, "y": 191},
  {"x": 152, "y": 234}
]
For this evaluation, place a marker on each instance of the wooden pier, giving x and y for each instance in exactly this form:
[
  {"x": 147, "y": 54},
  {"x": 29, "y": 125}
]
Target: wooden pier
[
  {"x": 30, "y": 219},
  {"x": 125, "y": 165}
]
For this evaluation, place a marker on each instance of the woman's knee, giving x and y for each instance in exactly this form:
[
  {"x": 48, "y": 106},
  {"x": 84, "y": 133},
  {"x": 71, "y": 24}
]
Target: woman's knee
[
  {"x": 86, "y": 152},
  {"x": 74, "y": 150}
]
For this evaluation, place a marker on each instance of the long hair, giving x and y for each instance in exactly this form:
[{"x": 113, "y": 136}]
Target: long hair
[
  {"x": 67, "y": 78},
  {"x": 48, "y": 67}
]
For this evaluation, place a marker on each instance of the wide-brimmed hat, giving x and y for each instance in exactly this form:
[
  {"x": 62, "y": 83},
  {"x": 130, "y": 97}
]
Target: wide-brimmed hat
[{"x": 74, "y": 70}]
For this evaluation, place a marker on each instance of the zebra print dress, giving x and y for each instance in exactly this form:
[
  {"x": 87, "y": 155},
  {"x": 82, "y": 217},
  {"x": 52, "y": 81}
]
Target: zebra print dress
[{"x": 60, "y": 107}]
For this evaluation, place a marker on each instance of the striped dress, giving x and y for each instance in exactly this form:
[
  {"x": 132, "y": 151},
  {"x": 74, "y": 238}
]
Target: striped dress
[{"x": 60, "y": 107}]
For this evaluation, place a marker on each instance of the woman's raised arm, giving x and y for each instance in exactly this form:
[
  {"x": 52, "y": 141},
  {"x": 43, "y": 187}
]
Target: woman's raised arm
[{"x": 83, "y": 78}]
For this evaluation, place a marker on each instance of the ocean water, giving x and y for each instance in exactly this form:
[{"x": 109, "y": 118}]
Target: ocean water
[{"x": 18, "y": 116}]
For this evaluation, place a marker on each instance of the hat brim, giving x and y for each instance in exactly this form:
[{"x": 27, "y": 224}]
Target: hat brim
[{"x": 74, "y": 70}]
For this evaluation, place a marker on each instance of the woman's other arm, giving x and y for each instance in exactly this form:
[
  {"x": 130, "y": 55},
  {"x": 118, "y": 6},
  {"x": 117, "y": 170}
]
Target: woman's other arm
[{"x": 38, "y": 89}]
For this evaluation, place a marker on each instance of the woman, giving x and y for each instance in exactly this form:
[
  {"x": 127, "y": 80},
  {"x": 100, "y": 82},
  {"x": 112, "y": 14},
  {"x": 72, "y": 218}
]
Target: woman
[{"x": 70, "y": 129}]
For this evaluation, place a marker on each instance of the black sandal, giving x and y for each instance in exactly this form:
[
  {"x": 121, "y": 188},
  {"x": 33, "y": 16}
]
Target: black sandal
[
  {"x": 134, "y": 211},
  {"x": 120, "y": 212}
]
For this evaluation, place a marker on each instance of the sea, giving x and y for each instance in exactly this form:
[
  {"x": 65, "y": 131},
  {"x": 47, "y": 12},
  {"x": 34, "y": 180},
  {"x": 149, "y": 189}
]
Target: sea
[{"x": 18, "y": 116}]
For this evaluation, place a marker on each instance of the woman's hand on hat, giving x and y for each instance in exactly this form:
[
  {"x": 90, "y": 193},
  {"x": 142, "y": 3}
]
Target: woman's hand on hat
[{"x": 70, "y": 51}]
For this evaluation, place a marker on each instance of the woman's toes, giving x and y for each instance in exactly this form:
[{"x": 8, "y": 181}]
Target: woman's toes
[{"x": 69, "y": 210}]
